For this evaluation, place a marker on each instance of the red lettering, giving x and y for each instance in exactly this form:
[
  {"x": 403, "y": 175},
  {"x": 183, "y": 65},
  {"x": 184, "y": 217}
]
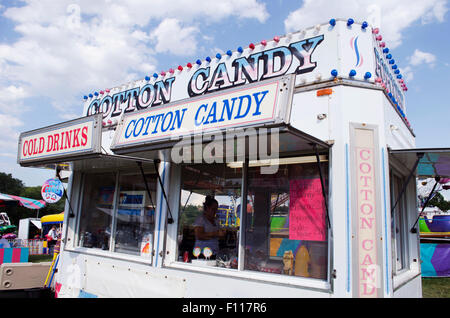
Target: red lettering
[
  {"x": 366, "y": 191},
  {"x": 49, "y": 143},
  {"x": 41, "y": 144},
  {"x": 24, "y": 148},
  {"x": 56, "y": 142},
  {"x": 367, "y": 260},
  {"x": 366, "y": 274},
  {"x": 84, "y": 136},
  {"x": 30, "y": 147},
  {"x": 62, "y": 141},
  {"x": 68, "y": 139},
  {"x": 35, "y": 146},
  {"x": 361, "y": 154},
  {"x": 369, "y": 223},
  {"x": 365, "y": 164},
  {"x": 363, "y": 210},
  {"x": 365, "y": 179},
  {"x": 370, "y": 291},
  {"x": 76, "y": 142},
  {"x": 364, "y": 245}
]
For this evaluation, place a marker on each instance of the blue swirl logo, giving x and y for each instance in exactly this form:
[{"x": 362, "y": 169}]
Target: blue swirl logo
[{"x": 354, "y": 46}]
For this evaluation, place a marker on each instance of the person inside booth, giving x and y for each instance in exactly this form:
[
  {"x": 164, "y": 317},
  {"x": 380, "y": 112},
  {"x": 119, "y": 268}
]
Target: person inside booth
[{"x": 206, "y": 229}]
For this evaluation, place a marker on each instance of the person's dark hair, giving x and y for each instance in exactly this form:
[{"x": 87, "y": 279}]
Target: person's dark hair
[{"x": 209, "y": 200}]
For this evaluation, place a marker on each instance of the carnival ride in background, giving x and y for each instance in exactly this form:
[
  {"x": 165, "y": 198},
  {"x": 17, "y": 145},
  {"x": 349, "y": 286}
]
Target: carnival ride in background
[{"x": 434, "y": 229}]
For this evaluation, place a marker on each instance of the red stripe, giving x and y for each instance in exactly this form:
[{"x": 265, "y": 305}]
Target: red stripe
[
  {"x": 16, "y": 255},
  {"x": 2, "y": 251}
]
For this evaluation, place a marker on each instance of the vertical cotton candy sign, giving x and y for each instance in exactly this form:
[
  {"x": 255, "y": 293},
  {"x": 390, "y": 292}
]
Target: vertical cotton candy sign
[
  {"x": 52, "y": 190},
  {"x": 306, "y": 210}
]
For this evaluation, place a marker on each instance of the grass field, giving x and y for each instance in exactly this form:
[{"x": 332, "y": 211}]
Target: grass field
[
  {"x": 39, "y": 258},
  {"x": 436, "y": 287}
]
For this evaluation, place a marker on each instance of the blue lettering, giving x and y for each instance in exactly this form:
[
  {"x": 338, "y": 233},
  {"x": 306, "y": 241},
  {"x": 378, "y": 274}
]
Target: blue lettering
[
  {"x": 258, "y": 102},
  {"x": 148, "y": 119},
  {"x": 226, "y": 105},
  {"x": 127, "y": 135},
  {"x": 142, "y": 126},
  {"x": 163, "y": 129},
  {"x": 178, "y": 119},
  {"x": 241, "y": 98},
  {"x": 156, "y": 118},
  {"x": 212, "y": 113},
  {"x": 196, "y": 114}
]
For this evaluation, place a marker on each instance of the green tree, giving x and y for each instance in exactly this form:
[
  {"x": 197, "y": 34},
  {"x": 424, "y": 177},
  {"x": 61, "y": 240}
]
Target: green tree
[
  {"x": 10, "y": 185},
  {"x": 439, "y": 201}
]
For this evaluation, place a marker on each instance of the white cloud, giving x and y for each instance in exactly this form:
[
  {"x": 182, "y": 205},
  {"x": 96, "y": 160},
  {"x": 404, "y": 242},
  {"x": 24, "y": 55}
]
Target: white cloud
[
  {"x": 171, "y": 37},
  {"x": 420, "y": 57},
  {"x": 9, "y": 135},
  {"x": 417, "y": 59},
  {"x": 392, "y": 17},
  {"x": 11, "y": 99},
  {"x": 66, "y": 49},
  {"x": 408, "y": 73}
]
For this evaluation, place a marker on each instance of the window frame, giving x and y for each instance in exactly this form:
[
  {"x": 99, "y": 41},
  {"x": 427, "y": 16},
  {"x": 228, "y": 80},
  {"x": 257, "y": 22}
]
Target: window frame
[
  {"x": 398, "y": 174},
  {"x": 110, "y": 253},
  {"x": 240, "y": 272}
]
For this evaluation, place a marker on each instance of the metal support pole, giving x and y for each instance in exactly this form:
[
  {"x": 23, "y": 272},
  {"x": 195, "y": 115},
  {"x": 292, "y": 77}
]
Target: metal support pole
[{"x": 322, "y": 184}]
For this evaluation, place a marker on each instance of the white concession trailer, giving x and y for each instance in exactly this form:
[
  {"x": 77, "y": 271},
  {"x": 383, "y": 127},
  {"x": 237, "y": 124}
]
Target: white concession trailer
[{"x": 303, "y": 141}]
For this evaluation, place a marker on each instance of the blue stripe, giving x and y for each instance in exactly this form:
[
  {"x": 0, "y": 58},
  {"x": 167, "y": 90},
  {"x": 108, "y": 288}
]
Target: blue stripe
[
  {"x": 348, "y": 215},
  {"x": 24, "y": 254},
  {"x": 385, "y": 221},
  {"x": 356, "y": 50},
  {"x": 7, "y": 255},
  {"x": 160, "y": 211}
]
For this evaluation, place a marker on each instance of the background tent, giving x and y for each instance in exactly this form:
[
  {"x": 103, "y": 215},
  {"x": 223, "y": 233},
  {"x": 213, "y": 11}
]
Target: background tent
[{"x": 25, "y": 202}]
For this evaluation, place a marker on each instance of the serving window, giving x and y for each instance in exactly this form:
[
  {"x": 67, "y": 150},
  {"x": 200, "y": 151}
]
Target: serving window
[
  {"x": 283, "y": 222},
  {"x": 213, "y": 238},
  {"x": 117, "y": 213}
]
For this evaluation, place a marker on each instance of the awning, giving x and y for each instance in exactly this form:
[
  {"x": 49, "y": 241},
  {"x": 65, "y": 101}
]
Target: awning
[
  {"x": 290, "y": 141},
  {"x": 431, "y": 162},
  {"x": 37, "y": 223},
  {"x": 423, "y": 163},
  {"x": 25, "y": 202}
]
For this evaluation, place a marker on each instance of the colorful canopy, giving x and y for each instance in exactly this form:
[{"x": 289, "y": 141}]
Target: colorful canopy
[
  {"x": 435, "y": 162},
  {"x": 25, "y": 202}
]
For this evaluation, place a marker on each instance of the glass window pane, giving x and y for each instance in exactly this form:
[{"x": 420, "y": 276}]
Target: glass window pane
[
  {"x": 209, "y": 224},
  {"x": 96, "y": 210},
  {"x": 135, "y": 215},
  {"x": 398, "y": 230},
  {"x": 286, "y": 229}
]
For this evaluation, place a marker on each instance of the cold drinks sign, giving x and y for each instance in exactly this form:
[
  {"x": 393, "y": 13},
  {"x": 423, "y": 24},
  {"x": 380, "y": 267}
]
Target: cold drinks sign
[{"x": 63, "y": 141}]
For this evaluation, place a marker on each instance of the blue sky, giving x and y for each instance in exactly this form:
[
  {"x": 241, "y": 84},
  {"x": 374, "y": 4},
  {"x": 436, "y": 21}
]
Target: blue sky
[{"x": 54, "y": 52}]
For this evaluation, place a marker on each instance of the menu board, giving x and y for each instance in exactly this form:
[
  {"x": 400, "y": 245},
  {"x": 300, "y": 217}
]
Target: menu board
[{"x": 306, "y": 210}]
